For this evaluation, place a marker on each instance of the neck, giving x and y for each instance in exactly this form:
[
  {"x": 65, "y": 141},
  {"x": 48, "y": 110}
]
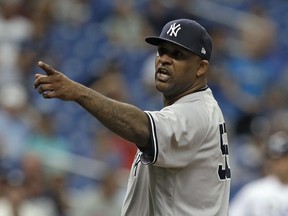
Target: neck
[{"x": 169, "y": 101}]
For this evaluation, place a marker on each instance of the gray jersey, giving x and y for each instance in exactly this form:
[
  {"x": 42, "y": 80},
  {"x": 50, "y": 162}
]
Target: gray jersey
[{"x": 187, "y": 170}]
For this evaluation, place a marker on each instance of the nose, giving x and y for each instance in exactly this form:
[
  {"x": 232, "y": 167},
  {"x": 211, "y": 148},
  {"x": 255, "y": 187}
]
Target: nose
[{"x": 165, "y": 59}]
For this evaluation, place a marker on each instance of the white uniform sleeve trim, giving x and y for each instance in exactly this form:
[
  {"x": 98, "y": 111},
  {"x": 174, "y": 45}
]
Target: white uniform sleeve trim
[{"x": 151, "y": 158}]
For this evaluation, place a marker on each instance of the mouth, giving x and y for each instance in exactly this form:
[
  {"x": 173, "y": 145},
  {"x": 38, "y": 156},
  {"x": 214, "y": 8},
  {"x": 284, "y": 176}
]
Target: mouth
[{"x": 162, "y": 74}]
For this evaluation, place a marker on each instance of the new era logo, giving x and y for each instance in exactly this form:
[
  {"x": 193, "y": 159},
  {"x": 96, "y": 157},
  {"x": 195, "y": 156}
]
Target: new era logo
[
  {"x": 173, "y": 30},
  {"x": 203, "y": 51}
]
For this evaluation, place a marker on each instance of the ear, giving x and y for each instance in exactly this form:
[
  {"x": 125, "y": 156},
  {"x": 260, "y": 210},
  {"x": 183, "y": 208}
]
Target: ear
[{"x": 202, "y": 68}]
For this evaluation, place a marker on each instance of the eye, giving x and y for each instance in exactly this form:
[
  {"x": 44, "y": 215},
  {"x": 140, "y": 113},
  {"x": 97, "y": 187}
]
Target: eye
[{"x": 179, "y": 55}]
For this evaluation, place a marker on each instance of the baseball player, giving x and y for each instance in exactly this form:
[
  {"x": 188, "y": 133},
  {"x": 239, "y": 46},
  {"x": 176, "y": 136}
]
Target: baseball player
[
  {"x": 267, "y": 196},
  {"x": 182, "y": 164}
]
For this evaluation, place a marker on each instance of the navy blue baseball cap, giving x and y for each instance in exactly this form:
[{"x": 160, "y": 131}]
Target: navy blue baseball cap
[
  {"x": 185, "y": 33},
  {"x": 277, "y": 145}
]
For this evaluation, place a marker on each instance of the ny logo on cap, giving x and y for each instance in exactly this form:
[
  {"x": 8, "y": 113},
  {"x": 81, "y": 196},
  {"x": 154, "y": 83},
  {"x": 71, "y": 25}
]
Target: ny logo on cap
[{"x": 173, "y": 30}]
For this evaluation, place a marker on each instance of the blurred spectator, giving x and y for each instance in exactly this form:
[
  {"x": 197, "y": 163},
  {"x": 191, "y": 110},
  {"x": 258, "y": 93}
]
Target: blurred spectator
[
  {"x": 16, "y": 119},
  {"x": 36, "y": 186},
  {"x": 104, "y": 200},
  {"x": 25, "y": 192},
  {"x": 267, "y": 196},
  {"x": 75, "y": 12},
  {"x": 14, "y": 29},
  {"x": 44, "y": 142},
  {"x": 125, "y": 27}
]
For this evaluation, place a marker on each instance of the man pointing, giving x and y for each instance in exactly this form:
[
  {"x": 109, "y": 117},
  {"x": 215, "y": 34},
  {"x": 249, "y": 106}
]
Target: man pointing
[{"x": 182, "y": 164}]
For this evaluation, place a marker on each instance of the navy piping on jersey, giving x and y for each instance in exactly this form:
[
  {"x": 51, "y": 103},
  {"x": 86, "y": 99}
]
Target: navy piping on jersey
[{"x": 151, "y": 158}]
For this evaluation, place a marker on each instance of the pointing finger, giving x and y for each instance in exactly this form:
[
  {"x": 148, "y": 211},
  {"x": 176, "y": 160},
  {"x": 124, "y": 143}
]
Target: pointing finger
[{"x": 47, "y": 68}]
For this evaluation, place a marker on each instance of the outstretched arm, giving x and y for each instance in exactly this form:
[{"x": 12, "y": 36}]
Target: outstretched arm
[{"x": 124, "y": 119}]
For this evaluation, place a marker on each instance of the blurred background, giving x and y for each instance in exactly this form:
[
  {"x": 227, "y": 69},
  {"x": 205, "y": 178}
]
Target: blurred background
[{"x": 56, "y": 160}]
